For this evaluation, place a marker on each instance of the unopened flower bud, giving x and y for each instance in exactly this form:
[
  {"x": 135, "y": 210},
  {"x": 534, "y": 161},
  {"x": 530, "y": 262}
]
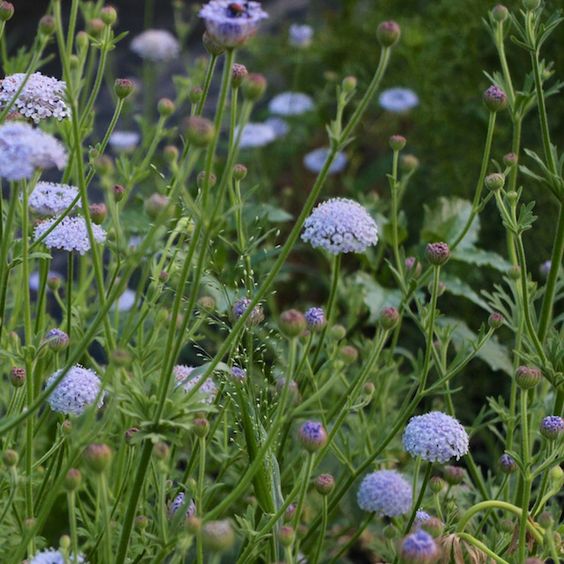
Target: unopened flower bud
[
  {"x": 201, "y": 180},
  {"x": 95, "y": 27},
  {"x": 201, "y": 427},
  {"x": 556, "y": 474},
  {"x": 10, "y": 457},
  {"x": 315, "y": 318},
  {"x": 161, "y": 451},
  {"x": 453, "y": 475},
  {"x": 73, "y": 479},
  {"x": 545, "y": 520},
  {"x": 199, "y": 131},
  {"x": 195, "y": 95},
  {"x": 254, "y": 86},
  {"x": 47, "y": 25},
  {"x": 214, "y": 48},
  {"x": 207, "y": 303},
  {"x": 130, "y": 433},
  {"x": 164, "y": 276},
  {"x": 507, "y": 525},
  {"x": 155, "y": 204},
  {"x": 54, "y": 282},
  {"x": 98, "y": 213},
  {"x": 287, "y": 535},
  {"x": 104, "y": 165},
  {"x": 437, "y": 253},
  {"x": 514, "y": 272},
  {"x": 313, "y": 436},
  {"x": 348, "y": 354},
  {"x": 436, "y": 484},
  {"x": 292, "y": 323},
  {"x": 507, "y": 464},
  {"x": 66, "y": 427},
  {"x": 413, "y": 267},
  {"x": 527, "y": 377},
  {"x": 388, "y": 33},
  {"x": 17, "y": 376},
  {"x": 218, "y": 536},
  {"x": 6, "y": 11},
  {"x": 349, "y": 84},
  {"x": 239, "y": 172},
  {"x": 56, "y": 340},
  {"x": 289, "y": 513},
  {"x": 238, "y": 74},
  {"x": 108, "y": 15},
  {"x": 369, "y": 388},
  {"x": 166, "y": 107},
  {"x": 97, "y": 457},
  {"x": 397, "y": 142},
  {"x": 118, "y": 192},
  {"x": 81, "y": 40},
  {"x": 434, "y": 526},
  {"x": 495, "y": 320},
  {"x": 531, "y": 5},
  {"x": 500, "y": 13},
  {"x": 510, "y": 159},
  {"x": 193, "y": 524},
  {"x": 409, "y": 163},
  {"x": 293, "y": 391},
  {"x": 141, "y": 522},
  {"x": 390, "y": 532},
  {"x": 494, "y": 181},
  {"x": 324, "y": 484},
  {"x": 495, "y": 99},
  {"x": 337, "y": 332},
  {"x": 551, "y": 427},
  {"x": 170, "y": 153},
  {"x": 389, "y": 318}
]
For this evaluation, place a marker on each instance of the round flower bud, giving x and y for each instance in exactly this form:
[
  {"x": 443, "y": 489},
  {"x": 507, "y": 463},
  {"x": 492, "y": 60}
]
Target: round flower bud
[
  {"x": 130, "y": 433},
  {"x": 6, "y": 11},
  {"x": 419, "y": 548},
  {"x": 66, "y": 427},
  {"x": 56, "y": 340},
  {"x": 104, "y": 165},
  {"x": 95, "y": 27},
  {"x": 397, "y": 142},
  {"x": 141, "y": 522},
  {"x": 409, "y": 163},
  {"x": 510, "y": 159},
  {"x": 495, "y": 320},
  {"x": 507, "y": 464},
  {"x": 170, "y": 153},
  {"x": 531, "y": 4},
  {"x": 514, "y": 272},
  {"x": 551, "y": 427},
  {"x": 388, "y": 33},
  {"x": 193, "y": 524},
  {"x": 240, "y": 306},
  {"x": 555, "y": 474},
  {"x": 207, "y": 303},
  {"x": 72, "y": 479},
  {"x": 287, "y": 535},
  {"x": 413, "y": 267},
  {"x": 201, "y": 427},
  {"x": 238, "y": 74},
  {"x": 324, "y": 484},
  {"x": 500, "y": 13},
  {"x": 495, "y": 99},
  {"x": 47, "y": 25},
  {"x": 155, "y": 204},
  {"x": 201, "y": 180},
  {"x": 292, "y": 323},
  {"x": 166, "y": 107},
  {"x": 163, "y": 276},
  {"x": 527, "y": 377},
  {"x": 348, "y": 354},
  {"x": 512, "y": 197},
  {"x": 434, "y": 526},
  {"x": 214, "y": 48},
  {"x": 313, "y": 436},
  {"x": 17, "y": 376},
  {"x": 195, "y": 95},
  {"x": 338, "y": 332},
  {"x": 199, "y": 131},
  {"x": 10, "y": 457},
  {"x": 108, "y": 15},
  {"x": 239, "y": 172},
  {"x": 545, "y": 520},
  {"x": 289, "y": 513},
  {"x": 218, "y": 536},
  {"x": 315, "y": 318},
  {"x": 453, "y": 475},
  {"x": 81, "y": 40},
  {"x": 369, "y": 388},
  {"x": 54, "y": 281},
  {"x": 494, "y": 181},
  {"x": 437, "y": 253},
  {"x": 349, "y": 84},
  {"x": 97, "y": 457},
  {"x": 118, "y": 192},
  {"x": 161, "y": 451},
  {"x": 389, "y": 318},
  {"x": 507, "y": 525},
  {"x": 254, "y": 86},
  {"x": 390, "y": 532},
  {"x": 98, "y": 213},
  {"x": 385, "y": 492},
  {"x": 436, "y": 484}
]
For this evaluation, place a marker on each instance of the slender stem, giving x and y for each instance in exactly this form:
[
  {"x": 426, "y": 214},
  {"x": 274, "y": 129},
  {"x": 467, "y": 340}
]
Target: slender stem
[
  {"x": 525, "y": 456},
  {"x": 308, "y": 469},
  {"x": 200, "y": 495},
  {"x": 472, "y": 540},
  {"x": 417, "y": 503},
  {"x": 324, "y": 519},
  {"x": 72, "y": 525},
  {"x": 70, "y": 282}
]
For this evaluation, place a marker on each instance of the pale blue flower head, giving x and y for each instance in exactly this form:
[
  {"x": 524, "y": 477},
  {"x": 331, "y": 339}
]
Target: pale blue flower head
[
  {"x": 256, "y": 135},
  {"x": 420, "y": 548},
  {"x": 79, "y": 388},
  {"x": 278, "y": 125},
  {"x": 184, "y": 378},
  {"x": 340, "y": 226},
  {"x": 435, "y": 437},
  {"x": 52, "y": 556},
  {"x": 398, "y": 100},
  {"x": 232, "y": 23},
  {"x": 290, "y": 104},
  {"x": 300, "y": 35},
  {"x": 71, "y": 234},
  {"x": 124, "y": 141},
  {"x": 156, "y": 45},
  {"x": 49, "y": 199},
  {"x": 315, "y": 318},
  {"x": 385, "y": 492},
  {"x": 180, "y": 501},
  {"x": 421, "y": 516},
  {"x": 315, "y": 160}
]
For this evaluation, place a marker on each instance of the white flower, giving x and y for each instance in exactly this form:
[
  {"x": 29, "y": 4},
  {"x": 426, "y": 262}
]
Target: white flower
[
  {"x": 49, "y": 198},
  {"x": 398, "y": 100},
  {"x": 315, "y": 160},
  {"x": 300, "y": 35},
  {"x": 69, "y": 235},
  {"x": 42, "y": 96},
  {"x": 126, "y": 301},
  {"x": 290, "y": 104},
  {"x": 256, "y": 135},
  {"x": 278, "y": 125},
  {"x": 208, "y": 389},
  {"x": 157, "y": 45},
  {"x": 23, "y": 149},
  {"x": 124, "y": 141}
]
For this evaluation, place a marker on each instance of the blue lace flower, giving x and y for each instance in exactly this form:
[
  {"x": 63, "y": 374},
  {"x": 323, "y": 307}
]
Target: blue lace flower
[{"x": 385, "y": 492}]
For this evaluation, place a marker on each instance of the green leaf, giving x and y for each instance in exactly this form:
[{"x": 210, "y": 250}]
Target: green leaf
[
  {"x": 272, "y": 213},
  {"x": 479, "y": 257},
  {"x": 446, "y": 219},
  {"x": 459, "y": 288},
  {"x": 377, "y": 297}
]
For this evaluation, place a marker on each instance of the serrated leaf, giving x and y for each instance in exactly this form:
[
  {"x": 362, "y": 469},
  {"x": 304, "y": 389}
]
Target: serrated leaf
[
  {"x": 377, "y": 297},
  {"x": 446, "y": 219},
  {"x": 480, "y": 257}
]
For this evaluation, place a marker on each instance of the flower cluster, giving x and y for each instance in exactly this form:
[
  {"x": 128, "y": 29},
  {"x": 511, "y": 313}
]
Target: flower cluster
[
  {"x": 53, "y": 556},
  {"x": 208, "y": 389},
  {"x": 24, "y": 149},
  {"x": 300, "y": 35},
  {"x": 124, "y": 141},
  {"x": 256, "y": 135},
  {"x": 398, "y": 100},
  {"x": 339, "y": 226},
  {"x": 41, "y": 96},
  {"x": 290, "y": 104},
  {"x": 435, "y": 437},
  {"x": 314, "y": 161},
  {"x": 69, "y": 235},
  {"x": 419, "y": 547},
  {"x": 78, "y": 389},
  {"x": 385, "y": 492},
  {"x": 49, "y": 199},
  {"x": 156, "y": 45},
  {"x": 178, "y": 502}
]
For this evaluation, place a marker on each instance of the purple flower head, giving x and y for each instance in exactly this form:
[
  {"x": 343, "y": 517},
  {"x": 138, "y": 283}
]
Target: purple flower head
[
  {"x": 385, "y": 492},
  {"x": 551, "y": 427},
  {"x": 421, "y": 516},
  {"x": 340, "y": 226},
  {"x": 300, "y": 35},
  {"x": 240, "y": 307},
  {"x": 75, "y": 392},
  {"x": 184, "y": 378},
  {"x": 507, "y": 463},
  {"x": 178, "y": 502},
  {"x": 435, "y": 437},
  {"x": 232, "y": 23},
  {"x": 23, "y": 149},
  {"x": 313, "y": 435},
  {"x": 56, "y": 339},
  {"x": 238, "y": 373},
  {"x": 419, "y": 547},
  {"x": 495, "y": 98},
  {"x": 315, "y": 318}
]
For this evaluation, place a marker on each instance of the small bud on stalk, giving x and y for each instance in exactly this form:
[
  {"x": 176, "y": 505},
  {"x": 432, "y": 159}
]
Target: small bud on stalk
[{"x": 388, "y": 33}]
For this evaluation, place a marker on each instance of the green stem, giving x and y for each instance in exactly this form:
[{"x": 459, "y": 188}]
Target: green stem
[
  {"x": 324, "y": 519},
  {"x": 72, "y": 525},
  {"x": 478, "y": 544},
  {"x": 525, "y": 456},
  {"x": 200, "y": 496},
  {"x": 308, "y": 469},
  {"x": 417, "y": 504}
]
